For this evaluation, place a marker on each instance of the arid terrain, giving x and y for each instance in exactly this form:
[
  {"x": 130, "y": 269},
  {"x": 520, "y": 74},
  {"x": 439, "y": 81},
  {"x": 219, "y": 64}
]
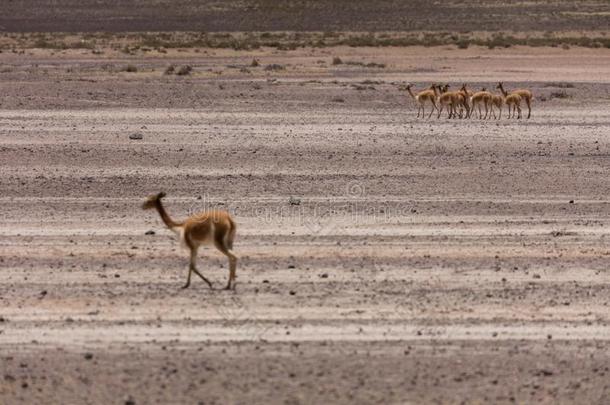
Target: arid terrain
[
  {"x": 382, "y": 258},
  {"x": 301, "y": 15}
]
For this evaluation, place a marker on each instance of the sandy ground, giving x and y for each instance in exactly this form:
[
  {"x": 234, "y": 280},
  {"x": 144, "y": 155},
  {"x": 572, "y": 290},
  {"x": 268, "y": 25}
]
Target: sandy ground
[{"x": 422, "y": 261}]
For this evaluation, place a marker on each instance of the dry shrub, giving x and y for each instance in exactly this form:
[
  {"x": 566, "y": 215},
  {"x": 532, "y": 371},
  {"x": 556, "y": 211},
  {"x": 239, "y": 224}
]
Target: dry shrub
[{"x": 184, "y": 70}]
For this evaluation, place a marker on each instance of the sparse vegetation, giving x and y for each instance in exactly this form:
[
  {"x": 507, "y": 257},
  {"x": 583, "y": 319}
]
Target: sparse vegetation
[
  {"x": 368, "y": 65},
  {"x": 170, "y": 70},
  {"x": 560, "y": 85},
  {"x": 184, "y": 70},
  {"x": 274, "y": 66},
  {"x": 463, "y": 43},
  {"x": 132, "y": 43},
  {"x": 130, "y": 69},
  {"x": 560, "y": 94}
]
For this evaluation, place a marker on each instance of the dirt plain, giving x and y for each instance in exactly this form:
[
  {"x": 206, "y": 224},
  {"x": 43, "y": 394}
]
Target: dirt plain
[{"x": 383, "y": 258}]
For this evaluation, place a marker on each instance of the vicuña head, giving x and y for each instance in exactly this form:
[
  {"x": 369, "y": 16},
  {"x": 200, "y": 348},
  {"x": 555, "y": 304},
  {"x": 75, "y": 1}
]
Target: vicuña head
[
  {"x": 203, "y": 228},
  {"x": 151, "y": 202}
]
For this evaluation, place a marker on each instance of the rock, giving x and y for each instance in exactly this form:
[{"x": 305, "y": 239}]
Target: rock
[
  {"x": 294, "y": 201},
  {"x": 149, "y": 233},
  {"x": 136, "y": 136},
  {"x": 324, "y": 275},
  {"x": 292, "y": 292},
  {"x": 88, "y": 356}
]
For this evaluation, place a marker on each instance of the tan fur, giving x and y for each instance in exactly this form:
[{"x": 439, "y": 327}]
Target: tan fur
[
  {"x": 465, "y": 95},
  {"x": 422, "y": 97},
  {"x": 450, "y": 99},
  {"x": 514, "y": 101},
  {"x": 524, "y": 94},
  {"x": 207, "y": 227},
  {"x": 497, "y": 100},
  {"x": 483, "y": 97}
]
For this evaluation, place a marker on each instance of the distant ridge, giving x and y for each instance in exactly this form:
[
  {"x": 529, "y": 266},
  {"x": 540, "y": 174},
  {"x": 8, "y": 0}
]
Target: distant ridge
[{"x": 305, "y": 15}]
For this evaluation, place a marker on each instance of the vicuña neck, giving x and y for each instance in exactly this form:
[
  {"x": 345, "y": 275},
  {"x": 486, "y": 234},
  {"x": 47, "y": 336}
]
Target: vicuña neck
[
  {"x": 410, "y": 92},
  {"x": 170, "y": 223}
]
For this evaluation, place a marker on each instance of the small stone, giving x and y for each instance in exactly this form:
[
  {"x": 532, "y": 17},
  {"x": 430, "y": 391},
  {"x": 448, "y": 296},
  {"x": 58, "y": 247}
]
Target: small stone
[
  {"x": 149, "y": 232},
  {"x": 324, "y": 275},
  {"x": 88, "y": 356},
  {"x": 291, "y": 266},
  {"x": 294, "y": 201},
  {"x": 292, "y": 292},
  {"x": 571, "y": 201},
  {"x": 136, "y": 136}
]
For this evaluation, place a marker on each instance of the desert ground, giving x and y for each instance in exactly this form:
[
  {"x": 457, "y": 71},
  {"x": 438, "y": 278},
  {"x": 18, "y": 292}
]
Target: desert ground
[
  {"x": 382, "y": 258},
  {"x": 301, "y": 15}
]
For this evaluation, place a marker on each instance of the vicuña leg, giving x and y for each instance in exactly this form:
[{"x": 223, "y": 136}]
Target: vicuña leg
[
  {"x": 193, "y": 268},
  {"x": 432, "y": 110},
  {"x": 232, "y": 261}
]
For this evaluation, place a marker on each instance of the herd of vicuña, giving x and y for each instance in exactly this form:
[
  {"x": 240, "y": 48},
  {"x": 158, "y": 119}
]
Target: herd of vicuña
[{"x": 462, "y": 103}]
